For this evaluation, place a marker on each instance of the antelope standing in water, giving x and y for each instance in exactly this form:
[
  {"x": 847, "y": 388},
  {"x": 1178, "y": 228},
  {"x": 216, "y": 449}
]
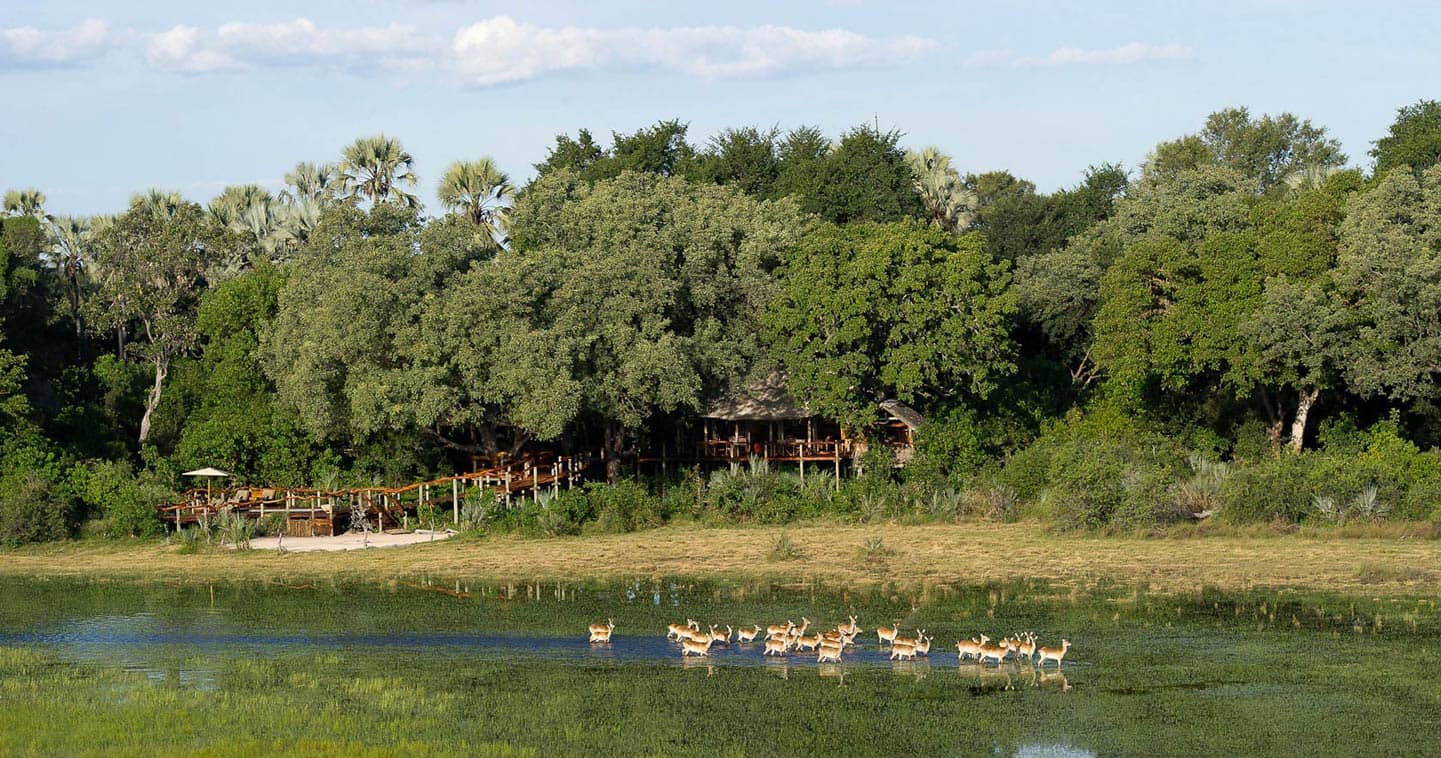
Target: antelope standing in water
[
  {"x": 887, "y": 633},
  {"x": 691, "y": 647},
  {"x": 677, "y": 631},
  {"x": 601, "y": 632},
  {"x": 971, "y": 647},
  {"x": 923, "y": 643},
  {"x": 777, "y": 645},
  {"x": 993, "y": 652},
  {"x": 829, "y": 654},
  {"x": 1026, "y": 646},
  {"x": 747, "y": 633},
  {"x": 724, "y": 639},
  {"x": 779, "y": 630},
  {"x": 850, "y": 629},
  {"x": 1054, "y": 653},
  {"x": 903, "y": 650}
]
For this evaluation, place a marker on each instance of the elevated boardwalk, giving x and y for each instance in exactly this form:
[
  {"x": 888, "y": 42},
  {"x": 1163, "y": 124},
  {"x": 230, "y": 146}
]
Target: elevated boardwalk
[{"x": 311, "y": 511}]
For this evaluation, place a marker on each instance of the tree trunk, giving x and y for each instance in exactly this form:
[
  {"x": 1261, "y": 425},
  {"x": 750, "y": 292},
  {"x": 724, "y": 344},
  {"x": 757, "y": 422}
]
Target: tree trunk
[
  {"x": 614, "y": 443},
  {"x": 162, "y": 367},
  {"x": 1298, "y": 424}
]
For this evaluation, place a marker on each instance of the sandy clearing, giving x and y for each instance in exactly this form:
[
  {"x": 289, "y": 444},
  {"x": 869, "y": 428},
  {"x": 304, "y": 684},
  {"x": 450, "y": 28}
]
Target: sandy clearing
[{"x": 346, "y": 541}]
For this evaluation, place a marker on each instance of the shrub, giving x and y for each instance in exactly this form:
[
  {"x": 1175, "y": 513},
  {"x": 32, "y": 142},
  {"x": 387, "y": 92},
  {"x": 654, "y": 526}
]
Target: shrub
[
  {"x": 625, "y": 506},
  {"x": 125, "y": 502},
  {"x": 783, "y": 549},
  {"x": 37, "y": 503}
]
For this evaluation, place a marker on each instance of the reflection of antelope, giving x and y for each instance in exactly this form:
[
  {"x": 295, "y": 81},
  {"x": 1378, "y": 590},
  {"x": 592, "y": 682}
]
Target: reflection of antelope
[
  {"x": 747, "y": 633},
  {"x": 971, "y": 647},
  {"x": 677, "y": 631},
  {"x": 601, "y": 632},
  {"x": 887, "y": 633},
  {"x": 691, "y": 647},
  {"x": 777, "y": 645},
  {"x": 1055, "y": 653}
]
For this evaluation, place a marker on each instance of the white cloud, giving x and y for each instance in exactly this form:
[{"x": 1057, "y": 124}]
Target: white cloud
[
  {"x": 494, "y": 51},
  {"x": 1136, "y": 52},
  {"x": 292, "y": 43},
  {"x": 501, "y": 50},
  {"x": 28, "y": 47}
]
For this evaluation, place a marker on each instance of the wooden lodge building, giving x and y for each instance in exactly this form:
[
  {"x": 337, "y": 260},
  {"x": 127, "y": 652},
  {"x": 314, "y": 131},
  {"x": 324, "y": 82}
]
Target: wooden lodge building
[{"x": 760, "y": 422}]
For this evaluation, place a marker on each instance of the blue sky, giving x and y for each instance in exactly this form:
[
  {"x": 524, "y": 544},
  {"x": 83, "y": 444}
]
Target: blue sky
[{"x": 105, "y": 99}]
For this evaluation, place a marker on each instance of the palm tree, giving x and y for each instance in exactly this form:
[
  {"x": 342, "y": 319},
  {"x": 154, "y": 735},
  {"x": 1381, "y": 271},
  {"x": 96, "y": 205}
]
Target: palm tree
[
  {"x": 481, "y": 191},
  {"x": 312, "y": 181},
  {"x": 951, "y": 205},
  {"x": 159, "y": 202},
  {"x": 372, "y": 167},
  {"x": 26, "y": 202},
  {"x": 70, "y": 247}
]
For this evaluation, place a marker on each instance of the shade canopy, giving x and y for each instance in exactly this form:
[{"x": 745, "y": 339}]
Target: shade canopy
[{"x": 207, "y": 471}]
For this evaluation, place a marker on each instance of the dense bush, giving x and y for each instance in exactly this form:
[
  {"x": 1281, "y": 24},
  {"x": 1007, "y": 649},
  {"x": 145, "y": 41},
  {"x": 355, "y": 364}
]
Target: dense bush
[
  {"x": 1097, "y": 470},
  {"x": 1372, "y": 474},
  {"x": 124, "y": 502},
  {"x": 37, "y": 503}
]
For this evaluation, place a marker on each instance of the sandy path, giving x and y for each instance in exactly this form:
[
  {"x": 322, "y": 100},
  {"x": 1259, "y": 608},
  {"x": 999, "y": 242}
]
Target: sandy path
[{"x": 349, "y": 541}]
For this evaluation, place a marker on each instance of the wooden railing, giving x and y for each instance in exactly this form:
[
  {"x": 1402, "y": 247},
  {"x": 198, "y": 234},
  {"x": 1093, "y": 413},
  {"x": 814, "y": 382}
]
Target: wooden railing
[{"x": 528, "y": 475}]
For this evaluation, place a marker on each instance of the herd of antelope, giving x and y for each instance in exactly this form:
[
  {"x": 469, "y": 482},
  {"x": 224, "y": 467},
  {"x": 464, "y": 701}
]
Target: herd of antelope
[{"x": 828, "y": 645}]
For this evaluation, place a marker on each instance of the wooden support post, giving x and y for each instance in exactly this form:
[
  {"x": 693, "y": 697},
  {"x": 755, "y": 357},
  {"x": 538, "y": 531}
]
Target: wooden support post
[
  {"x": 455, "y": 500},
  {"x": 838, "y": 467}
]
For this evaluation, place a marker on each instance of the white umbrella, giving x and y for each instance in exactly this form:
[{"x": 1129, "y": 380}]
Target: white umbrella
[{"x": 209, "y": 473}]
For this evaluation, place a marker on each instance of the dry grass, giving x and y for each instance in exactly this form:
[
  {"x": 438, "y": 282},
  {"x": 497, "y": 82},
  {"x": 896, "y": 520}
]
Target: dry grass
[{"x": 980, "y": 552}]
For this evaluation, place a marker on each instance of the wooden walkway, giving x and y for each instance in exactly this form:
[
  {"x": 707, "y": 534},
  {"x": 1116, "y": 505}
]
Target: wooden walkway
[{"x": 311, "y": 511}]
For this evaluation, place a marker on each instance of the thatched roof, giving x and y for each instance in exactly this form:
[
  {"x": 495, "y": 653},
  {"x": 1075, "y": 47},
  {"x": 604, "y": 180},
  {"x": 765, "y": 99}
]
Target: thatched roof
[
  {"x": 903, "y": 413},
  {"x": 765, "y": 399}
]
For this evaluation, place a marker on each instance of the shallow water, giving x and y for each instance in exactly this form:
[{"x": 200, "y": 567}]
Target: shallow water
[{"x": 1209, "y": 672}]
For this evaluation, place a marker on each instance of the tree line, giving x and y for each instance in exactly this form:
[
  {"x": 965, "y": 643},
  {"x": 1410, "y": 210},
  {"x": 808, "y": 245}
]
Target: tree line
[{"x": 1237, "y": 317}]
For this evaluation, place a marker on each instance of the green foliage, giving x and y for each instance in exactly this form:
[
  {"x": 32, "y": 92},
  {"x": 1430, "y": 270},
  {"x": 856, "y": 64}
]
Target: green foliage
[
  {"x": 1097, "y": 470},
  {"x": 1271, "y": 150},
  {"x": 1387, "y": 475},
  {"x": 37, "y": 501},
  {"x": 876, "y": 311},
  {"x": 783, "y": 548},
  {"x": 1413, "y": 139},
  {"x": 124, "y": 501}
]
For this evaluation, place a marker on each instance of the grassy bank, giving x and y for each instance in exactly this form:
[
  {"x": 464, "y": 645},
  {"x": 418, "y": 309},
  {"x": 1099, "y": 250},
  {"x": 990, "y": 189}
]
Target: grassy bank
[{"x": 1383, "y": 560}]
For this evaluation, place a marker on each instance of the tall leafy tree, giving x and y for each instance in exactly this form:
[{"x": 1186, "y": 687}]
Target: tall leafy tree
[
  {"x": 661, "y": 286},
  {"x": 1270, "y": 150},
  {"x": 151, "y": 264},
  {"x": 339, "y": 348},
  {"x": 745, "y": 158},
  {"x": 1413, "y": 139},
  {"x": 375, "y": 168},
  {"x": 1389, "y": 268},
  {"x": 870, "y": 312}
]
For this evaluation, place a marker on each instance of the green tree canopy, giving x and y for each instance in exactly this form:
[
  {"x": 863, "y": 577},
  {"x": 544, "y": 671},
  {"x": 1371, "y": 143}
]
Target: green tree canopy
[
  {"x": 870, "y": 312},
  {"x": 1413, "y": 139},
  {"x": 1270, "y": 150}
]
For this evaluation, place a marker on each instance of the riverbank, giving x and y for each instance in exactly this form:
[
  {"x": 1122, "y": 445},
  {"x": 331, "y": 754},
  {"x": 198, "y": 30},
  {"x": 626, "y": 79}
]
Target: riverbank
[{"x": 1402, "y": 562}]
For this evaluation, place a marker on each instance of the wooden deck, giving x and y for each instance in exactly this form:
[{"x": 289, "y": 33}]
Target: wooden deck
[{"x": 311, "y": 512}]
